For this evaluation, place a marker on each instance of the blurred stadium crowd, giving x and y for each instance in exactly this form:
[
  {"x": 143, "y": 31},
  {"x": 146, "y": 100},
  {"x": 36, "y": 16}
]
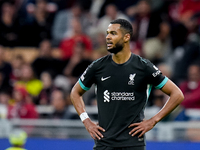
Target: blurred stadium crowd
[{"x": 47, "y": 44}]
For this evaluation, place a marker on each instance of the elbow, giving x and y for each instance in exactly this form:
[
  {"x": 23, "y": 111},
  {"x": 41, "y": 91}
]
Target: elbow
[
  {"x": 177, "y": 95},
  {"x": 180, "y": 97},
  {"x": 76, "y": 93},
  {"x": 72, "y": 95}
]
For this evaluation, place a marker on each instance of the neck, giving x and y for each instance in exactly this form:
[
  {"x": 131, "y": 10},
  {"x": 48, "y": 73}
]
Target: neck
[{"x": 122, "y": 56}]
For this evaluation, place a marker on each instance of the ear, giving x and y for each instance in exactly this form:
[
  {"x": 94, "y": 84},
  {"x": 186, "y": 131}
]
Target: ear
[{"x": 127, "y": 37}]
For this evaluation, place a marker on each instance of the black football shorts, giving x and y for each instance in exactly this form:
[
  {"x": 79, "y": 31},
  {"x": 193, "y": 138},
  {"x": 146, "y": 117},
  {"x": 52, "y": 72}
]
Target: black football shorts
[{"x": 102, "y": 147}]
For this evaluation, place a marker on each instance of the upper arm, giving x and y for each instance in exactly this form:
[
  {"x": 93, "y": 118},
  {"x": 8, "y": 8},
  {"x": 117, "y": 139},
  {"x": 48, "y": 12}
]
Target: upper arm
[
  {"x": 77, "y": 89},
  {"x": 84, "y": 83},
  {"x": 170, "y": 88},
  {"x": 76, "y": 98},
  {"x": 154, "y": 75}
]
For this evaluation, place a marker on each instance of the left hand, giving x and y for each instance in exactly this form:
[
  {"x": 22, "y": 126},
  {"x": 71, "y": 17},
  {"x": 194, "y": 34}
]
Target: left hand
[{"x": 142, "y": 127}]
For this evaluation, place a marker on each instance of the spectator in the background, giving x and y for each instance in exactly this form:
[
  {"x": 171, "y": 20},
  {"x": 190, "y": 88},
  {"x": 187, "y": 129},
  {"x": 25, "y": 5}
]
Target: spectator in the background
[
  {"x": 60, "y": 104},
  {"x": 186, "y": 49},
  {"x": 21, "y": 106},
  {"x": 28, "y": 81},
  {"x": 75, "y": 66},
  {"x": 158, "y": 49},
  {"x": 183, "y": 20},
  {"x": 102, "y": 4},
  {"x": 147, "y": 22},
  {"x": 178, "y": 8},
  {"x": 16, "y": 64},
  {"x": 77, "y": 63},
  {"x": 89, "y": 19},
  {"x": 99, "y": 46},
  {"x": 39, "y": 23},
  {"x": 63, "y": 4},
  {"x": 62, "y": 23},
  {"x": 183, "y": 28},
  {"x": 53, "y": 5},
  {"x": 50, "y": 5},
  {"x": 5, "y": 97},
  {"x": 191, "y": 88},
  {"x": 76, "y": 35},
  {"x": 45, "y": 61},
  {"x": 3, "y": 85},
  {"x": 48, "y": 87},
  {"x": 9, "y": 25},
  {"x": 5, "y": 71},
  {"x": 111, "y": 13}
]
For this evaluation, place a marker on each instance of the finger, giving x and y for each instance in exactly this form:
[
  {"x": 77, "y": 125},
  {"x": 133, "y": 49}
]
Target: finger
[
  {"x": 100, "y": 128},
  {"x": 133, "y": 130},
  {"x": 136, "y": 132},
  {"x": 99, "y": 133},
  {"x": 134, "y": 124},
  {"x": 97, "y": 136},
  {"x": 92, "y": 135},
  {"x": 143, "y": 132}
]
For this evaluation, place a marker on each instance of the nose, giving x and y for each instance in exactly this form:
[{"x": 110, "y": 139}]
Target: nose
[{"x": 108, "y": 37}]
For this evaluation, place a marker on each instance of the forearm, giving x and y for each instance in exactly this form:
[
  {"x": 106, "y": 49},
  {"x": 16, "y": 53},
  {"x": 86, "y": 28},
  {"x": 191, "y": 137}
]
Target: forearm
[
  {"x": 176, "y": 97},
  {"x": 169, "y": 106},
  {"x": 78, "y": 103},
  {"x": 76, "y": 99}
]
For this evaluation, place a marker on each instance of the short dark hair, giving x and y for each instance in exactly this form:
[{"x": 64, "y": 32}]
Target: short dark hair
[{"x": 126, "y": 25}]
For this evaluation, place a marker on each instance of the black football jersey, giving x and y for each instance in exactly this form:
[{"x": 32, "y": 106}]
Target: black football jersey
[{"x": 122, "y": 93}]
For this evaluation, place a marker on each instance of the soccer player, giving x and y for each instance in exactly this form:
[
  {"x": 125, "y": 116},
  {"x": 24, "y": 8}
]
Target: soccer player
[
  {"x": 124, "y": 81},
  {"x": 17, "y": 139}
]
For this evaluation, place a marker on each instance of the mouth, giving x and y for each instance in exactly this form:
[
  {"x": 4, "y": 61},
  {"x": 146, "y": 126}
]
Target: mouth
[{"x": 109, "y": 44}]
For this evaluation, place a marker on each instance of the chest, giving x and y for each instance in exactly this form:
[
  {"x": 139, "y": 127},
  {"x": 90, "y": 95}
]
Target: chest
[{"x": 121, "y": 78}]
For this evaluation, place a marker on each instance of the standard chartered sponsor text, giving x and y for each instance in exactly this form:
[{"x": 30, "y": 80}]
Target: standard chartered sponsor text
[{"x": 125, "y": 96}]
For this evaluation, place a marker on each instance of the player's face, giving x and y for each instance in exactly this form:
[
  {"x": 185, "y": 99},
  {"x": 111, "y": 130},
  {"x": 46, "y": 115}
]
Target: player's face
[{"x": 114, "y": 38}]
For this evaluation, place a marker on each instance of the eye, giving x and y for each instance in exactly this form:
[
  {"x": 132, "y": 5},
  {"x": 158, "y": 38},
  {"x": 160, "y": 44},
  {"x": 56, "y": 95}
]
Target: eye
[
  {"x": 111, "y": 33},
  {"x": 114, "y": 33}
]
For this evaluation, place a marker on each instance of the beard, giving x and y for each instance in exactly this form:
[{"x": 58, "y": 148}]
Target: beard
[{"x": 117, "y": 48}]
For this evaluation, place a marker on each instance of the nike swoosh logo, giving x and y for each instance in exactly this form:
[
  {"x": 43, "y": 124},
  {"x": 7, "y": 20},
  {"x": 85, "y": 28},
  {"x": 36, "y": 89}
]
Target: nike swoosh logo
[{"x": 103, "y": 79}]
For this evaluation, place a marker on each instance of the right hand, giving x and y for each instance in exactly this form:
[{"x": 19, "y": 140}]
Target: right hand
[{"x": 93, "y": 129}]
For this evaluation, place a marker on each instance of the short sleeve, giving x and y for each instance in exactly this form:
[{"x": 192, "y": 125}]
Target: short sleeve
[
  {"x": 87, "y": 78},
  {"x": 155, "y": 76}
]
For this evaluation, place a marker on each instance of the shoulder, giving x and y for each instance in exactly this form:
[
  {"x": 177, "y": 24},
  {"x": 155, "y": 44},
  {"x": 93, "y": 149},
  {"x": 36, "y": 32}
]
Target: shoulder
[
  {"x": 140, "y": 60},
  {"x": 101, "y": 61},
  {"x": 144, "y": 64},
  {"x": 143, "y": 60}
]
